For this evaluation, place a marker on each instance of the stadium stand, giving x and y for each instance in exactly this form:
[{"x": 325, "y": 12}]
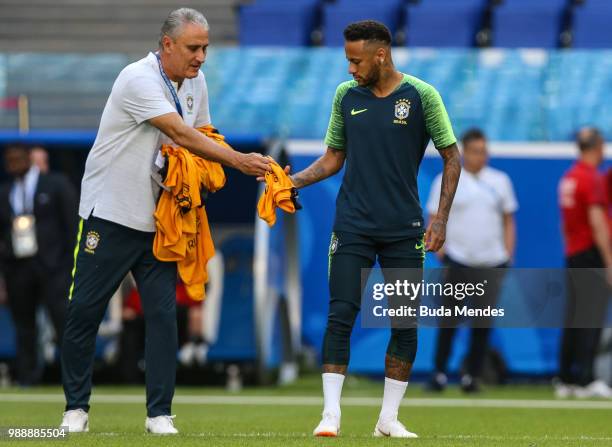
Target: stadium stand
[
  {"x": 430, "y": 23},
  {"x": 259, "y": 22},
  {"x": 288, "y": 91},
  {"x": 528, "y": 24},
  {"x": 591, "y": 25},
  {"x": 86, "y": 26},
  {"x": 339, "y": 14},
  {"x": 443, "y": 23},
  {"x": 85, "y": 80}
]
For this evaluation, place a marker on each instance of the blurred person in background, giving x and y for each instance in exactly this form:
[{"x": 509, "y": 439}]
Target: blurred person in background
[
  {"x": 380, "y": 125},
  {"x": 485, "y": 200},
  {"x": 38, "y": 220},
  {"x": 198, "y": 323},
  {"x": 201, "y": 318},
  {"x": 193, "y": 348},
  {"x": 160, "y": 99},
  {"x": 584, "y": 202},
  {"x": 132, "y": 336},
  {"x": 40, "y": 158}
]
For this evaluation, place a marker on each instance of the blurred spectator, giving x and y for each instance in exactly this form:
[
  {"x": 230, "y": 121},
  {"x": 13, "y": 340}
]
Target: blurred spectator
[
  {"x": 40, "y": 158},
  {"x": 609, "y": 190},
  {"x": 132, "y": 337},
  {"x": 132, "y": 340},
  {"x": 583, "y": 198},
  {"x": 38, "y": 219},
  {"x": 195, "y": 348},
  {"x": 3, "y": 297},
  {"x": 197, "y": 322},
  {"x": 480, "y": 233}
]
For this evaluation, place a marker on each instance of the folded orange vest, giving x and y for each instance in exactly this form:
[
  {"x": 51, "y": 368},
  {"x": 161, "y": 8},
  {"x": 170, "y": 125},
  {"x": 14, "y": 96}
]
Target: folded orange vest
[
  {"x": 280, "y": 193},
  {"x": 183, "y": 234}
]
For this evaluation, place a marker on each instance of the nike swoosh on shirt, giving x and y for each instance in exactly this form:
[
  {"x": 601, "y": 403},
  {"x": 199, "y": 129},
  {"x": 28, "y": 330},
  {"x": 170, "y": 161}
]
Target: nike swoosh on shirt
[{"x": 357, "y": 112}]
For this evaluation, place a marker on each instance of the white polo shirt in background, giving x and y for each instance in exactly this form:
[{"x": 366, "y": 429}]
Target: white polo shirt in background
[
  {"x": 474, "y": 233},
  {"x": 117, "y": 184}
]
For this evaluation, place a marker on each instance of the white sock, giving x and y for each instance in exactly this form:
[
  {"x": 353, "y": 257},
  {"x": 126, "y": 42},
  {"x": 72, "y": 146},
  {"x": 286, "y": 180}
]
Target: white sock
[
  {"x": 332, "y": 389},
  {"x": 392, "y": 397}
]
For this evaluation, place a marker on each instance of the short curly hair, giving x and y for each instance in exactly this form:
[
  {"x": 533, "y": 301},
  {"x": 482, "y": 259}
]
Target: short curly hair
[{"x": 368, "y": 30}]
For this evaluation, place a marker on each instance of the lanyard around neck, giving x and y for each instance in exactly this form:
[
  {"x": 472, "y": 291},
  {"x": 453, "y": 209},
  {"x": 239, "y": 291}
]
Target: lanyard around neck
[
  {"x": 177, "y": 103},
  {"x": 21, "y": 201}
]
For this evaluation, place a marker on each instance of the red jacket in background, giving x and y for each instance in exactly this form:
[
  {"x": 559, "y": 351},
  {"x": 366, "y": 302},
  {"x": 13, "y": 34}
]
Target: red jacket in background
[{"x": 581, "y": 187}]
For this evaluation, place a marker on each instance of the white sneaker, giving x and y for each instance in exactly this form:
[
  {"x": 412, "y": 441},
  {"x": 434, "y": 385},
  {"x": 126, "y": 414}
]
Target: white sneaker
[
  {"x": 392, "y": 429},
  {"x": 329, "y": 426},
  {"x": 564, "y": 390},
  {"x": 200, "y": 353},
  {"x": 161, "y": 425},
  {"x": 186, "y": 354},
  {"x": 597, "y": 388},
  {"x": 77, "y": 421}
]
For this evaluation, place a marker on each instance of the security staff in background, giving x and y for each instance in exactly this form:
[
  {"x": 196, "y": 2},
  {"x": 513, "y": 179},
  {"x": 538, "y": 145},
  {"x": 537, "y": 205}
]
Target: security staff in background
[
  {"x": 38, "y": 222},
  {"x": 481, "y": 233},
  {"x": 159, "y": 99},
  {"x": 584, "y": 203}
]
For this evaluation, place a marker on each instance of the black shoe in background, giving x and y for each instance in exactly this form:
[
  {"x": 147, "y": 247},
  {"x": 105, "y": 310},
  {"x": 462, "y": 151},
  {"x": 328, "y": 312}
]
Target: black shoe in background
[
  {"x": 470, "y": 384},
  {"x": 437, "y": 383}
]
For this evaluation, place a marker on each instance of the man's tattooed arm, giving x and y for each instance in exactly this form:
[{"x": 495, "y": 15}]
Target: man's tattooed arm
[
  {"x": 436, "y": 232},
  {"x": 325, "y": 166}
]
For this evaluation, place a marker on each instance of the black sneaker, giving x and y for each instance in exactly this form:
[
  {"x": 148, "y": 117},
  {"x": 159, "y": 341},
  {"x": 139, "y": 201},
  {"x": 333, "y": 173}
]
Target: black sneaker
[
  {"x": 470, "y": 384},
  {"x": 437, "y": 382}
]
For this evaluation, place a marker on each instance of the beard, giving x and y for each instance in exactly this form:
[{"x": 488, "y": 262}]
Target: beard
[{"x": 373, "y": 76}]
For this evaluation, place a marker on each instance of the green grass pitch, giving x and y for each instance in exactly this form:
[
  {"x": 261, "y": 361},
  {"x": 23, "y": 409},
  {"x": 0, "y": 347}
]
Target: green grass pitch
[{"x": 285, "y": 416}]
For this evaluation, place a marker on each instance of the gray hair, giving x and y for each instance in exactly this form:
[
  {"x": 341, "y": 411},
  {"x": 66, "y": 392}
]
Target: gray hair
[{"x": 179, "y": 17}]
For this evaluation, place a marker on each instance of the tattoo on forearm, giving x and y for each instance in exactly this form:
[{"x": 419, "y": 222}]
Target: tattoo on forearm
[
  {"x": 308, "y": 176},
  {"x": 450, "y": 179},
  {"x": 320, "y": 169},
  {"x": 397, "y": 369}
]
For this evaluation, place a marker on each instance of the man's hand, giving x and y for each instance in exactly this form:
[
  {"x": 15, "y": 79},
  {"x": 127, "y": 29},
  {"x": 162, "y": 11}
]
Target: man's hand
[
  {"x": 435, "y": 234},
  {"x": 287, "y": 170},
  {"x": 253, "y": 164}
]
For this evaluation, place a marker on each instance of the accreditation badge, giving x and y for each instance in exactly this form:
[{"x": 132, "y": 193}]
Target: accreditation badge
[
  {"x": 24, "y": 236},
  {"x": 158, "y": 173}
]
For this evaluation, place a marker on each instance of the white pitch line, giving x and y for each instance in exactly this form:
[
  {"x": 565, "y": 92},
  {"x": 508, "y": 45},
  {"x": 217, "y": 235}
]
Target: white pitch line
[
  {"x": 317, "y": 401},
  {"x": 525, "y": 438},
  {"x": 291, "y": 435},
  {"x": 304, "y": 435}
]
